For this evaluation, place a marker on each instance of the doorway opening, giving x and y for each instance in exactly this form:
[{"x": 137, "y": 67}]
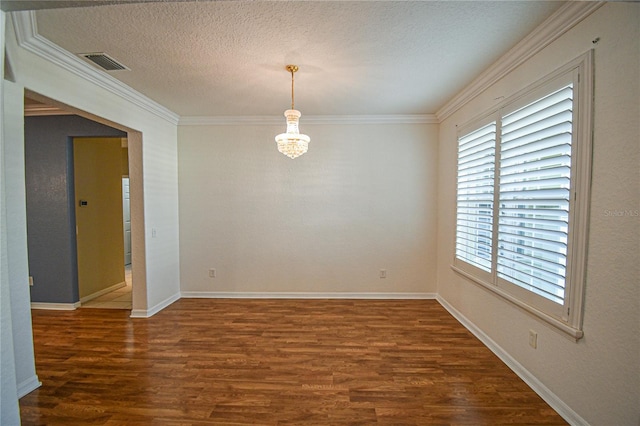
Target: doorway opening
[
  {"x": 103, "y": 222},
  {"x": 133, "y": 263}
]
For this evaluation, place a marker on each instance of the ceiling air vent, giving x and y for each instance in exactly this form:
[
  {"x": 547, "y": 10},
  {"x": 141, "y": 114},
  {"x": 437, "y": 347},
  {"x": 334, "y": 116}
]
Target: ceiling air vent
[{"x": 104, "y": 61}]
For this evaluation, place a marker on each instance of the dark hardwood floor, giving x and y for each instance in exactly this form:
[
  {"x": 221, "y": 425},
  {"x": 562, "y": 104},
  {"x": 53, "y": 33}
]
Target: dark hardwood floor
[{"x": 272, "y": 362}]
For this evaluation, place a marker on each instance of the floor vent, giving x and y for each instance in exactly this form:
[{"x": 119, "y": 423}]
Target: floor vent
[{"x": 104, "y": 61}]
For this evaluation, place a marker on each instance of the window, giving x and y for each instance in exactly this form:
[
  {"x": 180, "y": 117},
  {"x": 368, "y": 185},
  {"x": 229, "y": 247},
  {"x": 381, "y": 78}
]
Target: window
[{"x": 522, "y": 197}]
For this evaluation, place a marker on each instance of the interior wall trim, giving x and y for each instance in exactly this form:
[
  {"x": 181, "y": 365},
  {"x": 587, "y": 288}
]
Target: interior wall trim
[
  {"x": 26, "y": 29},
  {"x": 147, "y": 313},
  {"x": 102, "y": 292},
  {"x": 309, "y": 119},
  {"x": 303, "y": 295},
  {"x": 565, "y": 18},
  {"x": 55, "y": 306},
  {"x": 44, "y": 110},
  {"x": 28, "y": 386},
  {"x": 538, "y": 387}
]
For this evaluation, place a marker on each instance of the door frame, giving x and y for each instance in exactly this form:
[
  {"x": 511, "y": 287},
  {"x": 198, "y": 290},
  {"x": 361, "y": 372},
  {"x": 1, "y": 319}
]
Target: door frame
[{"x": 139, "y": 299}]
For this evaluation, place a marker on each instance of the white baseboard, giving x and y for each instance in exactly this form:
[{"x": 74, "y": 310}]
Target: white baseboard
[
  {"x": 309, "y": 295},
  {"x": 55, "y": 306},
  {"x": 146, "y": 313},
  {"x": 103, "y": 291},
  {"x": 538, "y": 387},
  {"x": 28, "y": 386}
]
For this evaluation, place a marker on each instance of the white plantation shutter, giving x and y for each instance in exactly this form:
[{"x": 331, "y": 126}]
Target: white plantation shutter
[
  {"x": 522, "y": 201},
  {"x": 476, "y": 169},
  {"x": 534, "y": 195}
]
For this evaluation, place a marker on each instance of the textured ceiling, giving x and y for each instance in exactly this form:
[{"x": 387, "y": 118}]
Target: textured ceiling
[{"x": 227, "y": 58}]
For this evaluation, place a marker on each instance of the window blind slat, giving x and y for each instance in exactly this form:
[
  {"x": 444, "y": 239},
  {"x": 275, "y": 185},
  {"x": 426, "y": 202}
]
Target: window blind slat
[
  {"x": 532, "y": 194},
  {"x": 540, "y": 234},
  {"x": 469, "y": 243},
  {"x": 540, "y": 164},
  {"x": 467, "y": 233},
  {"x": 552, "y": 292},
  {"x": 534, "y": 224},
  {"x": 479, "y": 163},
  {"x": 478, "y": 135},
  {"x": 547, "y": 256},
  {"x": 534, "y": 212},
  {"x": 471, "y": 213},
  {"x": 472, "y": 191},
  {"x": 486, "y": 171},
  {"x": 551, "y": 283},
  {"x": 488, "y": 198},
  {"x": 544, "y": 245},
  {"x": 479, "y": 155},
  {"x": 533, "y": 173},
  {"x": 535, "y": 125},
  {"x": 553, "y": 98},
  {"x": 533, "y": 260},
  {"x": 476, "y": 181},
  {"x": 538, "y": 145},
  {"x": 547, "y": 114},
  {"x": 477, "y": 146},
  {"x": 537, "y": 184},
  {"x": 473, "y": 227},
  {"x": 525, "y": 136},
  {"x": 540, "y": 203},
  {"x": 540, "y": 278}
]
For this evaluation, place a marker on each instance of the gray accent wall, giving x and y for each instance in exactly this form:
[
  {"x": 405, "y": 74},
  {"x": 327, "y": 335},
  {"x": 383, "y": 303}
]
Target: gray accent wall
[{"x": 51, "y": 221}]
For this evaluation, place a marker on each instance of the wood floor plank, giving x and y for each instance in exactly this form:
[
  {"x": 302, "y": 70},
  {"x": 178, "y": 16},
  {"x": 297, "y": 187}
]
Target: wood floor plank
[{"x": 272, "y": 362}]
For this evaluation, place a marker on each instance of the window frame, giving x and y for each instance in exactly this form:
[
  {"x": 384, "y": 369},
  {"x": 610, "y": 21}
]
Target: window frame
[{"x": 569, "y": 316}]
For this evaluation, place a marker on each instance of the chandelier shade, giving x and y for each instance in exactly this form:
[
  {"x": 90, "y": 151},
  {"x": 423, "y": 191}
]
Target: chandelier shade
[{"x": 292, "y": 143}]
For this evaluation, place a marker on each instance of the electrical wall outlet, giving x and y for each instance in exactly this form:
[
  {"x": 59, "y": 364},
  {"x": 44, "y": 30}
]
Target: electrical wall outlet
[
  {"x": 383, "y": 273},
  {"x": 212, "y": 273},
  {"x": 533, "y": 339},
  {"x": 31, "y": 281}
]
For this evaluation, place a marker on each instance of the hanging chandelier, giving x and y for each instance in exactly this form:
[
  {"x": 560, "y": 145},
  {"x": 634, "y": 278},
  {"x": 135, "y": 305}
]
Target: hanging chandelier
[{"x": 292, "y": 143}]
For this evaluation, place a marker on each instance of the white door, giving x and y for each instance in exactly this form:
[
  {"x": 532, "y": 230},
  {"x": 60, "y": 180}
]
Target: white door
[{"x": 126, "y": 219}]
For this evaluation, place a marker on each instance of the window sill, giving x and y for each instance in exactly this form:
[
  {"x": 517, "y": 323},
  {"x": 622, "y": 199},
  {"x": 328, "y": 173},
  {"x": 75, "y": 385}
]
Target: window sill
[{"x": 570, "y": 331}]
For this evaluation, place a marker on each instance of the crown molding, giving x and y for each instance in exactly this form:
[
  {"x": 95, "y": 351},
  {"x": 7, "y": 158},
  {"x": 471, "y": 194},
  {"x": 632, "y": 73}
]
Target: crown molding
[
  {"x": 28, "y": 38},
  {"x": 372, "y": 119},
  {"x": 556, "y": 25},
  {"x": 309, "y": 119},
  {"x": 565, "y": 18},
  {"x": 230, "y": 120}
]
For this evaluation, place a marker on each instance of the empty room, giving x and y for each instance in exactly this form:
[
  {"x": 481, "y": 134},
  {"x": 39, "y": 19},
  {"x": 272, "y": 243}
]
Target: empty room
[{"x": 320, "y": 212}]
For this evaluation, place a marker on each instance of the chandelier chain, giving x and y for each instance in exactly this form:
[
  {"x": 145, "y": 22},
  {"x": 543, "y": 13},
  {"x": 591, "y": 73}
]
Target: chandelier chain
[{"x": 292, "y": 71}]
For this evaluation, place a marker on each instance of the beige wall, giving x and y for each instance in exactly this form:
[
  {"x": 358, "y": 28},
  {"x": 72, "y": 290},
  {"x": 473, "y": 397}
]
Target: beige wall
[
  {"x": 362, "y": 199},
  {"x": 597, "y": 377},
  {"x": 98, "y": 181}
]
